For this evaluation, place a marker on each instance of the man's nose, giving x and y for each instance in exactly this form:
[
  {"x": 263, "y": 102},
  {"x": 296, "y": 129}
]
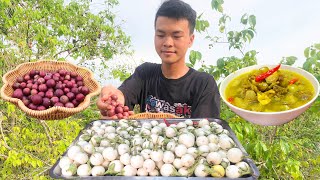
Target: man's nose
[{"x": 168, "y": 41}]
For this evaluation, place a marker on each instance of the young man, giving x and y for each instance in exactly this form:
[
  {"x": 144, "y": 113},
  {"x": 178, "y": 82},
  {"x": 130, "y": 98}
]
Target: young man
[{"x": 170, "y": 87}]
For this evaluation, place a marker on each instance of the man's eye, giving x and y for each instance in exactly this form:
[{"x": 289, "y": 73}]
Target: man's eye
[
  {"x": 177, "y": 37},
  {"x": 160, "y": 35}
]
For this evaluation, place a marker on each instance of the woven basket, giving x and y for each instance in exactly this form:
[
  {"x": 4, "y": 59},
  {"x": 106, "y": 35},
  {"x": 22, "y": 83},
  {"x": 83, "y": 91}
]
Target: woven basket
[
  {"x": 53, "y": 113},
  {"x": 153, "y": 116}
]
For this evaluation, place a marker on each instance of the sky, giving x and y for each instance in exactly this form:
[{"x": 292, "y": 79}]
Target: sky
[{"x": 284, "y": 28}]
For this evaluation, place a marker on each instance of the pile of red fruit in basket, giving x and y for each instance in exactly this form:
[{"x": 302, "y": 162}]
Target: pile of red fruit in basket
[{"x": 42, "y": 89}]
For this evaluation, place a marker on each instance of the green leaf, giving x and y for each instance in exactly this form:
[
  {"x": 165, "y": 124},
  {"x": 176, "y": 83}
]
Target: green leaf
[
  {"x": 244, "y": 19},
  {"x": 284, "y": 147},
  {"x": 317, "y": 46},
  {"x": 217, "y": 5},
  {"x": 264, "y": 147},
  {"x": 313, "y": 52},
  {"x": 307, "y": 65},
  {"x": 252, "y": 21},
  {"x": 221, "y": 29},
  {"x": 194, "y": 56},
  {"x": 201, "y": 25},
  {"x": 220, "y": 63},
  {"x": 306, "y": 52}
]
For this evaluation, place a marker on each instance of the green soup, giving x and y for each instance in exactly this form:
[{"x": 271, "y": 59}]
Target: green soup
[{"x": 281, "y": 91}]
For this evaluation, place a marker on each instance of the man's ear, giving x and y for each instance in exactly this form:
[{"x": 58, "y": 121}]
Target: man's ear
[{"x": 191, "y": 40}]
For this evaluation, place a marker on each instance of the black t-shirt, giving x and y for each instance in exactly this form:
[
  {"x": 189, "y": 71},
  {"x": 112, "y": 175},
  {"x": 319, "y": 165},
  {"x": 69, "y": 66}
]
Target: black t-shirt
[{"x": 195, "y": 95}]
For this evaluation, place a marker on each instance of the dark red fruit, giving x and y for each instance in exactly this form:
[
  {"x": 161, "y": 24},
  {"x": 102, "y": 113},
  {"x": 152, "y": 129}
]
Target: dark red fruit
[
  {"x": 66, "y": 90},
  {"x": 80, "y": 97},
  {"x": 73, "y": 74},
  {"x": 48, "y": 76},
  {"x": 58, "y": 92},
  {"x": 49, "y": 94},
  {"x": 75, "y": 102},
  {"x": 32, "y": 106},
  {"x": 55, "y": 77},
  {"x": 36, "y": 77},
  {"x": 34, "y": 86},
  {"x": 111, "y": 113},
  {"x": 80, "y": 83},
  {"x": 16, "y": 85},
  {"x": 85, "y": 90},
  {"x": 54, "y": 100},
  {"x": 114, "y": 97},
  {"x": 126, "y": 114},
  {"x": 46, "y": 102},
  {"x": 125, "y": 108},
  {"x": 26, "y": 77},
  {"x": 34, "y": 91},
  {"x": 79, "y": 78},
  {"x": 32, "y": 73},
  {"x": 51, "y": 83},
  {"x": 42, "y": 94},
  {"x": 70, "y": 95},
  {"x": 26, "y": 102},
  {"x": 69, "y": 105},
  {"x": 62, "y": 72},
  {"x": 119, "y": 110},
  {"x": 75, "y": 90},
  {"x": 41, "y": 108},
  {"x": 20, "y": 79},
  {"x": 67, "y": 77},
  {"x": 64, "y": 99},
  {"x": 17, "y": 94},
  {"x": 58, "y": 104},
  {"x": 23, "y": 85},
  {"x": 41, "y": 80},
  {"x": 43, "y": 87},
  {"x": 59, "y": 86},
  {"x": 42, "y": 73},
  {"x": 120, "y": 115},
  {"x": 36, "y": 99},
  {"x": 29, "y": 85},
  {"x": 69, "y": 84},
  {"x": 26, "y": 91}
]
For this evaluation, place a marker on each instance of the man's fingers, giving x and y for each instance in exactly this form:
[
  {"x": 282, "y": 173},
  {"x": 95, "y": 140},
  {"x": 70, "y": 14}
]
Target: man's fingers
[{"x": 101, "y": 104}]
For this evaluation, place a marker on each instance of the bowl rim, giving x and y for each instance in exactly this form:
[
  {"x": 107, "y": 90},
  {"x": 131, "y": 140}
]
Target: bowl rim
[{"x": 230, "y": 77}]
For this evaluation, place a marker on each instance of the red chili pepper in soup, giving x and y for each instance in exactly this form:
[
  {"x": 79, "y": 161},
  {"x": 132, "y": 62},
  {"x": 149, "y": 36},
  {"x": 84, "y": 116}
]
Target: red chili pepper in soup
[
  {"x": 292, "y": 81},
  {"x": 262, "y": 76},
  {"x": 230, "y": 99}
]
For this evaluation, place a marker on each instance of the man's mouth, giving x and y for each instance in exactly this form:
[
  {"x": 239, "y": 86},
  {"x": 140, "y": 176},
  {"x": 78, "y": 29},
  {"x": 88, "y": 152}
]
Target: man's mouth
[{"x": 168, "y": 52}]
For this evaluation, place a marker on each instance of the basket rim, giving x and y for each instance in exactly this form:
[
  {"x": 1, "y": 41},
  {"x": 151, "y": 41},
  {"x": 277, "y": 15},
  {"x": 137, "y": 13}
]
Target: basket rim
[
  {"x": 51, "y": 110},
  {"x": 150, "y": 115}
]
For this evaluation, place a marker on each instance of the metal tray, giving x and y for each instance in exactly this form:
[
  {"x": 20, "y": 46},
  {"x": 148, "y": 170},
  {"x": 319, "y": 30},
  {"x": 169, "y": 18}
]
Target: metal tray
[{"x": 55, "y": 171}]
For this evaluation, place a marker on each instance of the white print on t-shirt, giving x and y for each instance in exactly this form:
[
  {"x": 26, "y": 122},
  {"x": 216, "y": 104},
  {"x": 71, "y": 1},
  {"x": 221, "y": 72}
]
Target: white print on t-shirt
[{"x": 155, "y": 105}]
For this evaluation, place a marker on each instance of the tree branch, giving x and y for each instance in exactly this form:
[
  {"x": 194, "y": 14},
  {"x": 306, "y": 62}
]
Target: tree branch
[
  {"x": 70, "y": 49},
  {"x": 44, "y": 125}
]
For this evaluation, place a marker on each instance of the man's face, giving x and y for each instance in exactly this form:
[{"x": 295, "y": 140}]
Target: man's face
[{"x": 172, "y": 39}]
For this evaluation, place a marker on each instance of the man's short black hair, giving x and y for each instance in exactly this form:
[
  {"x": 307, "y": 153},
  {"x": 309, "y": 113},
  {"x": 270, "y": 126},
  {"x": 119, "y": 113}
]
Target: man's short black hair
[{"x": 179, "y": 10}]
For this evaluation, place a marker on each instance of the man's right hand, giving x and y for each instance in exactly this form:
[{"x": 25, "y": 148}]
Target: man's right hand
[{"x": 104, "y": 101}]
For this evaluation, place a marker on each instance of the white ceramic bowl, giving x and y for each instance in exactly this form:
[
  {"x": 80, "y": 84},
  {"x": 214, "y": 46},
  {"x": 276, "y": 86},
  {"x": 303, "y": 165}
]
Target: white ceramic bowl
[{"x": 269, "y": 118}]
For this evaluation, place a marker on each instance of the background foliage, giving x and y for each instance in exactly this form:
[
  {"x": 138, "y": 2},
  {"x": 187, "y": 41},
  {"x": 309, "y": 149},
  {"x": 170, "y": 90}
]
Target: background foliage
[{"x": 31, "y": 30}]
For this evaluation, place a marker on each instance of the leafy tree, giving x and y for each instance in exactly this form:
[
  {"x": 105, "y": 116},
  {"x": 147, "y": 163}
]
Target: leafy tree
[
  {"x": 236, "y": 40},
  {"x": 32, "y": 30}
]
